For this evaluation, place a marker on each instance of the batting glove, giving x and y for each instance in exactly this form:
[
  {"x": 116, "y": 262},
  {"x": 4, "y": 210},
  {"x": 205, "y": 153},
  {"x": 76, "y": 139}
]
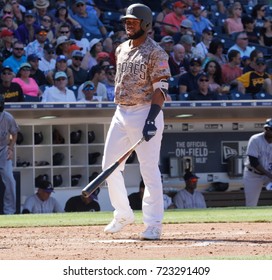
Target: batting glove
[{"x": 149, "y": 129}]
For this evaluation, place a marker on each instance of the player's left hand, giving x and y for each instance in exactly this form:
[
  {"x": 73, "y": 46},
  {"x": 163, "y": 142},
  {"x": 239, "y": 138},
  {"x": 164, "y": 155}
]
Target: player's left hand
[{"x": 149, "y": 129}]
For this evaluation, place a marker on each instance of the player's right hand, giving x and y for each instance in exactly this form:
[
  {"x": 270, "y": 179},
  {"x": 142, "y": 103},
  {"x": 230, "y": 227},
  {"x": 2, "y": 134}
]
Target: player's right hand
[{"x": 149, "y": 130}]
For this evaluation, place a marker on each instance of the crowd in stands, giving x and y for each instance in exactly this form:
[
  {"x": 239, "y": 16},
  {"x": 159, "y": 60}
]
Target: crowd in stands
[{"x": 63, "y": 50}]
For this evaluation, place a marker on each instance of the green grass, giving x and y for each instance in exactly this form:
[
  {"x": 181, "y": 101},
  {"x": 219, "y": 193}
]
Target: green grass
[{"x": 210, "y": 215}]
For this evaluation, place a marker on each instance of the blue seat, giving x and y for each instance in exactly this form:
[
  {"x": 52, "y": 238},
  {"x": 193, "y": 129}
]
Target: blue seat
[
  {"x": 183, "y": 96},
  {"x": 240, "y": 96},
  {"x": 173, "y": 85},
  {"x": 262, "y": 95}
]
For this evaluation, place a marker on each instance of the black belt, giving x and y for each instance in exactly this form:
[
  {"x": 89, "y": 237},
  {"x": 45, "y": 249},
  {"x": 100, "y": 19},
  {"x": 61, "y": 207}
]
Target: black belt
[{"x": 254, "y": 171}]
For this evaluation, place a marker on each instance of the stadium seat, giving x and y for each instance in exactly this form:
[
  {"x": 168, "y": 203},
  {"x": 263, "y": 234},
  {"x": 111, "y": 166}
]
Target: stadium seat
[
  {"x": 183, "y": 96},
  {"x": 240, "y": 96},
  {"x": 173, "y": 86},
  {"x": 262, "y": 95}
]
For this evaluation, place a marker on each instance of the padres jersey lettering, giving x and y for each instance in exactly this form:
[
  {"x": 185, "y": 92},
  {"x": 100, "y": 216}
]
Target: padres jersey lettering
[{"x": 139, "y": 67}]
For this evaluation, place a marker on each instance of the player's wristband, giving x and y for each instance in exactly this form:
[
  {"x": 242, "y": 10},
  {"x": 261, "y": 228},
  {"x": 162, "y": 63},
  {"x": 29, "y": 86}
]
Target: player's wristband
[{"x": 153, "y": 112}]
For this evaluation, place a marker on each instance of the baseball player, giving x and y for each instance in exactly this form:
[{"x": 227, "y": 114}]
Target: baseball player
[
  {"x": 140, "y": 91},
  {"x": 8, "y": 136},
  {"x": 258, "y": 164}
]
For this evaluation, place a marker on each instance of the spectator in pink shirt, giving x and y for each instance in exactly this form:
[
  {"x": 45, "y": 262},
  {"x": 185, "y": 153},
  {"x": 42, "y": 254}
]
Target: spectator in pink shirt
[
  {"x": 29, "y": 86},
  {"x": 174, "y": 19}
]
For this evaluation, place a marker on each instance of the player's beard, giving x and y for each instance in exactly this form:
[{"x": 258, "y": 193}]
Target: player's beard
[{"x": 136, "y": 35}]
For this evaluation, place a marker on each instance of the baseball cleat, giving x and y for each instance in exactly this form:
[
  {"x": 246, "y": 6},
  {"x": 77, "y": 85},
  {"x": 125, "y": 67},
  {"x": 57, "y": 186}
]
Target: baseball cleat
[
  {"x": 117, "y": 225},
  {"x": 151, "y": 233}
]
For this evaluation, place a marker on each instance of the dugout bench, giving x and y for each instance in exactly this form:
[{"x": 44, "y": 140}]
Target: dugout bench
[{"x": 234, "y": 198}]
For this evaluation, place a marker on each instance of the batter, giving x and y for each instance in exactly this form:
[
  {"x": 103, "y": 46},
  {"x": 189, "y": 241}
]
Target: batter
[
  {"x": 258, "y": 165},
  {"x": 8, "y": 136},
  {"x": 140, "y": 90}
]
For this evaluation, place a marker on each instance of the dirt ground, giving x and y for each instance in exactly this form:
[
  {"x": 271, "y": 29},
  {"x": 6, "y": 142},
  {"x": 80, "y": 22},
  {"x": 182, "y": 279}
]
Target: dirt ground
[{"x": 179, "y": 241}]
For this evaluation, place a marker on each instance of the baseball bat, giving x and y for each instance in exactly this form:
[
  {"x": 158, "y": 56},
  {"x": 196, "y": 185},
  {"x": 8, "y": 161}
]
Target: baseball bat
[{"x": 96, "y": 182}]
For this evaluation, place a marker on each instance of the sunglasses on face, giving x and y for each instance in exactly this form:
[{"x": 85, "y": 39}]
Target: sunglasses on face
[
  {"x": 80, "y": 5},
  {"x": 51, "y": 52},
  {"x": 89, "y": 88},
  {"x": 43, "y": 33},
  {"x": 25, "y": 69},
  {"x": 60, "y": 79},
  {"x": 64, "y": 32},
  {"x": 245, "y": 39},
  {"x": 260, "y": 63},
  {"x": 111, "y": 73},
  {"x": 78, "y": 58},
  {"x": 193, "y": 180},
  {"x": 19, "y": 49},
  {"x": 203, "y": 80},
  {"x": 46, "y": 20},
  {"x": 7, "y": 12},
  {"x": 6, "y": 73}
]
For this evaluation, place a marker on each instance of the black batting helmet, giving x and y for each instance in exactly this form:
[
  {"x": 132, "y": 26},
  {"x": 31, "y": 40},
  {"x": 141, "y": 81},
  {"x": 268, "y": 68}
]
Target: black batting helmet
[
  {"x": 75, "y": 136},
  {"x": 142, "y": 12}
]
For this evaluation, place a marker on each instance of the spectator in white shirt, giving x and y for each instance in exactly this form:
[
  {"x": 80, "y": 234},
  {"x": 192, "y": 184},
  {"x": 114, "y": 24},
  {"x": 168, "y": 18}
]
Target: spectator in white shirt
[
  {"x": 189, "y": 197},
  {"x": 48, "y": 61},
  {"x": 59, "y": 91}
]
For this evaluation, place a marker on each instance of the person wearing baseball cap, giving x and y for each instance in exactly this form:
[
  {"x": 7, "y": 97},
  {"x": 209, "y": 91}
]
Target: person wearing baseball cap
[
  {"x": 7, "y": 38},
  {"x": 80, "y": 74},
  {"x": 199, "y": 22},
  {"x": 189, "y": 197},
  {"x": 202, "y": 48},
  {"x": 35, "y": 72},
  {"x": 173, "y": 19},
  {"x": 257, "y": 170},
  {"x": 48, "y": 61},
  {"x": 10, "y": 90},
  {"x": 59, "y": 91},
  {"x": 42, "y": 202}
]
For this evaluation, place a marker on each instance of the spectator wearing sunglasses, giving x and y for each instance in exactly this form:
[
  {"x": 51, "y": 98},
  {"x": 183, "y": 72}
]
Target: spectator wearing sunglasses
[
  {"x": 17, "y": 57},
  {"x": 27, "y": 30},
  {"x": 189, "y": 197},
  {"x": 36, "y": 47},
  {"x": 89, "y": 93},
  {"x": 59, "y": 91},
  {"x": 80, "y": 74},
  {"x": 11, "y": 91},
  {"x": 203, "y": 92},
  {"x": 110, "y": 82}
]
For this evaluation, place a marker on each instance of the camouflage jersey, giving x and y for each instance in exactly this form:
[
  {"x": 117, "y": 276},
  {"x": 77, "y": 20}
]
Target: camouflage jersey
[{"x": 137, "y": 69}]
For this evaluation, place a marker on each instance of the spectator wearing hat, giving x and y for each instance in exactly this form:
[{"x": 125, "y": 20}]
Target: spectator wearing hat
[
  {"x": 241, "y": 44},
  {"x": 233, "y": 23},
  {"x": 185, "y": 28},
  {"x": 97, "y": 76},
  {"x": 36, "y": 47},
  {"x": 189, "y": 80},
  {"x": 62, "y": 45},
  {"x": 172, "y": 21},
  {"x": 187, "y": 41},
  {"x": 59, "y": 91},
  {"x": 10, "y": 90},
  {"x": 199, "y": 22},
  {"x": 266, "y": 33},
  {"x": 42, "y": 202},
  {"x": 61, "y": 65},
  {"x": 189, "y": 197},
  {"x": 91, "y": 24},
  {"x": 167, "y": 43},
  {"x": 17, "y": 57},
  {"x": 202, "y": 47},
  {"x": 26, "y": 31},
  {"x": 6, "y": 41},
  {"x": 48, "y": 61},
  {"x": 80, "y": 40},
  {"x": 110, "y": 81},
  {"x": 249, "y": 27},
  {"x": 40, "y": 10},
  {"x": 80, "y": 74},
  {"x": 29, "y": 86},
  {"x": 256, "y": 81},
  {"x": 9, "y": 22},
  {"x": 89, "y": 93},
  {"x": 203, "y": 92},
  {"x": 35, "y": 72}
]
